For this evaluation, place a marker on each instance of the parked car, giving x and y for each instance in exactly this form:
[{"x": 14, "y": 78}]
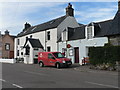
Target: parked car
[{"x": 56, "y": 59}]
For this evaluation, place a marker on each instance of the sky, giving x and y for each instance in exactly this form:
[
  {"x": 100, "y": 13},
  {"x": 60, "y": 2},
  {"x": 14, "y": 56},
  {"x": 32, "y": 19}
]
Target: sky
[{"x": 15, "y": 14}]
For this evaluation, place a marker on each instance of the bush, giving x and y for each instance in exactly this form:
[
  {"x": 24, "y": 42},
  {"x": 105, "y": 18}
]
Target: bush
[{"x": 107, "y": 54}]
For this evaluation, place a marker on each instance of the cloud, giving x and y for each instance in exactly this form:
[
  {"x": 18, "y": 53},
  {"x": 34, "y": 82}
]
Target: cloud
[
  {"x": 96, "y": 14},
  {"x": 14, "y": 15}
]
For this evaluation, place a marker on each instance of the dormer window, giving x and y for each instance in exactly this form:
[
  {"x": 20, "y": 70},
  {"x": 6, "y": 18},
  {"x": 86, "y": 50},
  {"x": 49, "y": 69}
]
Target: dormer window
[
  {"x": 89, "y": 32},
  {"x": 64, "y": 35}
]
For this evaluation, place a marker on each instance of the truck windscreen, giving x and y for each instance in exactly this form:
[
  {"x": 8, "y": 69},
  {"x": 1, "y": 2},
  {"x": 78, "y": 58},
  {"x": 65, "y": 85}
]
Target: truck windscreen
[{"x": 58, "y": 55}]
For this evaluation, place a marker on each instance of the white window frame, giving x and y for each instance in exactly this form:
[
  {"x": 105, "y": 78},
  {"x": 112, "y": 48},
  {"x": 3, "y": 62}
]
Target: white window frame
[
  {"x": 86, "y": 32},
  {"x": 64, "y": 38}
]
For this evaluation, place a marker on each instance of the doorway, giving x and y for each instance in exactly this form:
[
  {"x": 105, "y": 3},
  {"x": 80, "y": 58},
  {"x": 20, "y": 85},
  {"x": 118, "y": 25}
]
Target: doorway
[{"x": 76, "y": 51}]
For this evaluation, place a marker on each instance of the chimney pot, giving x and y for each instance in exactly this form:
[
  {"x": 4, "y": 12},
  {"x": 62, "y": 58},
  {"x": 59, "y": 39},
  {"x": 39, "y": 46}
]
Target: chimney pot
[{"x": 69, "y": 10}]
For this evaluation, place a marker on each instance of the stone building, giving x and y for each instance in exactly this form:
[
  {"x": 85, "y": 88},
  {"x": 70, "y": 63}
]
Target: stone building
[{"x": 7, "y": 45}]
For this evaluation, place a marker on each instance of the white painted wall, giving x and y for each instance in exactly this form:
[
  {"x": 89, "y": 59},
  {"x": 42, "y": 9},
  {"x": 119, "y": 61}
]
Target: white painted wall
[
  {"x": 83, "y": 44},
  {"x": 53, "y": 40},
  {"x": 38, "y": 35},
  {"x": 28, "y": 59}
]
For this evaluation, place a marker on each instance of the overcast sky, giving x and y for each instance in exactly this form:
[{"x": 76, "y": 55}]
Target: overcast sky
[{"x": 15, "y": 14}]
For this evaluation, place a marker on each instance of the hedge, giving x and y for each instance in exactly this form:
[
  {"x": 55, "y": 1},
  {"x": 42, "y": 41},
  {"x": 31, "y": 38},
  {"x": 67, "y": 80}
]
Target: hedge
[{"x": 107, "y": 54}]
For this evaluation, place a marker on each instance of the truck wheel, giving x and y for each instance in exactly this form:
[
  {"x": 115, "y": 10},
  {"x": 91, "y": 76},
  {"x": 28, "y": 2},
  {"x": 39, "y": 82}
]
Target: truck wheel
[
  {"x": 57, "y": 65},
  {"x": 41, "y": 64}
]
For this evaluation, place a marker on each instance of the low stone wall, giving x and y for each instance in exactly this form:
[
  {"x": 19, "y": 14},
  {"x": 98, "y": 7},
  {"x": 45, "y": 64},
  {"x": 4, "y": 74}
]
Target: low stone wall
[
  {"x": 7, "y": 60},
  {"x": 106, "y": 67}
]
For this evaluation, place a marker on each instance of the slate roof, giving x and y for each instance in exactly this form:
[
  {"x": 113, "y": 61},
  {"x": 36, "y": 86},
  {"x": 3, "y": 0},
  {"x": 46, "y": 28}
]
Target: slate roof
[
  {"x": 41, "y": 27},
  {"x": 101, "y": 29},
  {"x": 115, "y": 25},
  {"x": 35, "y": 43}
]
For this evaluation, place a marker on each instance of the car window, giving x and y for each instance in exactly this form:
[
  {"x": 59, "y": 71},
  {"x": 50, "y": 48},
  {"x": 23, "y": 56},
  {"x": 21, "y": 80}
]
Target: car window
[
  {"x": 50, "y": 56},
  {"x": 58, "y": 55}
]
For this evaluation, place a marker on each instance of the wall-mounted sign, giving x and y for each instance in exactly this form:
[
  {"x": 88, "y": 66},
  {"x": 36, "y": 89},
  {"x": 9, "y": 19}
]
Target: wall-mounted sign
[
  {"x": 71, "y": 52},
  {"x": 68, "y": 45}
]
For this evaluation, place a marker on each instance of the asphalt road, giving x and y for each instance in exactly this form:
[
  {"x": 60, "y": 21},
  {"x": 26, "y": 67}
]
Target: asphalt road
[{"x": 32, "y": 76}]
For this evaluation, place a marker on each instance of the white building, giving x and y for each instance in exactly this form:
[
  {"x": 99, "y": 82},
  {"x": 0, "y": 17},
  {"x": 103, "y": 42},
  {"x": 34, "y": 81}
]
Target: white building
[
  {"x": 80, "y": 39},
  {"x": 92, "y": 35},
  {"x": 48, "y": 34}
]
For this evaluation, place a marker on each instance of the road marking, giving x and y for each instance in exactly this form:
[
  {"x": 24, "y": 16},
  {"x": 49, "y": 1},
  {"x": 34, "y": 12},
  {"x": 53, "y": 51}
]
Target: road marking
[
  {"x": 10, "y": 83},
  {"x": 2, "y": 80},
  {"x": 111, "y": 86},
  {"x": 17, "y": 85},
  {"x": 36, "y": 73}
]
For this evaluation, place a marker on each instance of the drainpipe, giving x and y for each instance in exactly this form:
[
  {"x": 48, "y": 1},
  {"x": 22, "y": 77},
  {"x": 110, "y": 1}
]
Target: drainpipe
[
  {"x": 66, "y": 42},
  {"x": 45, "y": 41}
]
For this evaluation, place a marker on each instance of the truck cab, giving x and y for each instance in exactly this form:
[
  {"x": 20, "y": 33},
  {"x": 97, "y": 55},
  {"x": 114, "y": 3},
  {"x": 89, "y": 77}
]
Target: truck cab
[{"x": 56, "y": 59}]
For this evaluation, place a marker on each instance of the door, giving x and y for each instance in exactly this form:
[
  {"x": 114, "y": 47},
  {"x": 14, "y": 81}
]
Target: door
[
  {"x": 11, "y": 54},
  {"x": 51, "y": 60},
  {"x": 76, "y": 51}
]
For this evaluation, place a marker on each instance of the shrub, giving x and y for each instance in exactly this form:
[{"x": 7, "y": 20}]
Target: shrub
[{"x": 107, "y": 54}]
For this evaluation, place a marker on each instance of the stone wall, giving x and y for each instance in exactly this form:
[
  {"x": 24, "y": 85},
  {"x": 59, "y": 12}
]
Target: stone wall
[{"x": 114, "y": 40}]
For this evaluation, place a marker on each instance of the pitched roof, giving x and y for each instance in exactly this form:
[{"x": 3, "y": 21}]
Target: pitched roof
[
  {"x": 35, "y": 43},
  {"x": 41, "y": 27},
  {"x": 115, "y": 25},
  {"x": 102, "y": 28}
]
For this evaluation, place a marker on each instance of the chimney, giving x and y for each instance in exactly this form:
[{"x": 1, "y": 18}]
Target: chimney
[
  {"x": 27, "y": 25},
  {"x": 69, "y": 10},
  {"x": 119, "y": 5},
  {"x": 6, "y": 32}
]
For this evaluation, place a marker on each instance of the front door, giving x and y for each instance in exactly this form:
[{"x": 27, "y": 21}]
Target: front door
[{"x": 76, "y": 49}]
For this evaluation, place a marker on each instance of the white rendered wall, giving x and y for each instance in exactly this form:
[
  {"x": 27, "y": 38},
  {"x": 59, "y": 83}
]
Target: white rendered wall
[
  {"x": 38, "y": 35},
  {"x": 53, "y": 40},
  {"x": 28, "y": 59},
  {"x": 83, "y": 44}
]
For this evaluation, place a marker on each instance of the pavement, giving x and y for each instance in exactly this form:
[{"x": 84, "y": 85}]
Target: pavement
[{"x": 20, "y": 75}]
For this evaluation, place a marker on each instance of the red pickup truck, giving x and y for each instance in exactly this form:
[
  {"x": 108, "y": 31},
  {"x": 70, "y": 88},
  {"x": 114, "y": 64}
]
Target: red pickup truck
[{"x": 56, "y": 59}]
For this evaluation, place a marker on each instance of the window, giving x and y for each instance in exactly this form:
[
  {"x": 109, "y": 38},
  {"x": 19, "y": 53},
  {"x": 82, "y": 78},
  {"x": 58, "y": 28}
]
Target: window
[
  {"x": 89, "y": 32},
  {"x": 48, "y": 49},
  {"x": 36, "y": 49},
  {"x": 18, "y": 41},
  {"x": 7, "y": 46},
  {"x": 48, "y": 35},
  {"x": 64, "y": 38},
  {"x": 21, "y": 53},
  {"x": 58, "y": 55},
  {"x": 36, "y": 55},
  {"x": 50, "y": 56},
  {"x": 17, "y": 52}
]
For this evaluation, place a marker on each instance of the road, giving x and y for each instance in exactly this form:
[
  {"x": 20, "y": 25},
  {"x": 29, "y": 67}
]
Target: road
[{"x": 32, "y": 76}]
